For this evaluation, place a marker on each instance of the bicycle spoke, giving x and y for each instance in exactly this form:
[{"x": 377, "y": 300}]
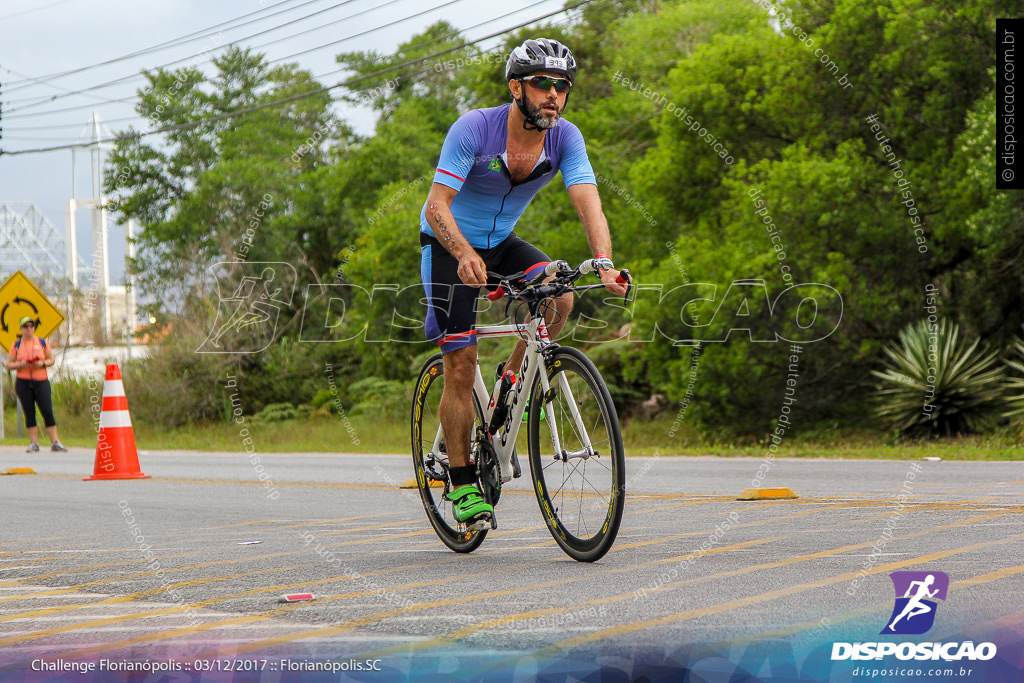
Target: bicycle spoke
[
  {"x": 566, "y": 478},
  {"x": 427, "y": 449},
  {"x": 584, "y": 509}
]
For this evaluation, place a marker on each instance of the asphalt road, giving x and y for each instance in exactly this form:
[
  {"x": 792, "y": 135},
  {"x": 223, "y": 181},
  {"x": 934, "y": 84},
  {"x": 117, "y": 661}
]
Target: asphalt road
[{"x": 189, "y": 565}]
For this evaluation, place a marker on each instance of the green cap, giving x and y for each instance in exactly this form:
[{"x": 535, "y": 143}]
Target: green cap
[{"x": 26, "y": 319}]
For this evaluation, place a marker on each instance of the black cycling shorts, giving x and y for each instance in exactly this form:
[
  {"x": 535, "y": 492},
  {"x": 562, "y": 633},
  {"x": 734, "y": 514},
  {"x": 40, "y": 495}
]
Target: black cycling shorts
[{"x": 451, "y": 313}]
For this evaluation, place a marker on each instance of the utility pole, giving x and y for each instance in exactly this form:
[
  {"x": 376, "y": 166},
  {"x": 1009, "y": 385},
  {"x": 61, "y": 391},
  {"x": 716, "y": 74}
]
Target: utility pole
[{"x": 90, "y": 141}]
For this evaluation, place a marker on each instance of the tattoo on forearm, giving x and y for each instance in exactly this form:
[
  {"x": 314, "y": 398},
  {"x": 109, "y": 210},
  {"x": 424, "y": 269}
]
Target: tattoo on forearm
[{"x": 444, "y": 232}]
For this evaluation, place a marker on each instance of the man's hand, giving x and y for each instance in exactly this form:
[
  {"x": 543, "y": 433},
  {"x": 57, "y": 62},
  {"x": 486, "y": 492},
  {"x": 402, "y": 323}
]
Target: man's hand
[
  {"x": 472, "y": 269},
  {"x": 608, "y": 277}
]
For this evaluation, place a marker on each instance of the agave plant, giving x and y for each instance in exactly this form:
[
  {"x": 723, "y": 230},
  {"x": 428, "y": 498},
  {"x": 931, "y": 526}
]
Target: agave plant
[
  {"x": 947, "y": 388},
  {"x": 1014, "y": 387}
]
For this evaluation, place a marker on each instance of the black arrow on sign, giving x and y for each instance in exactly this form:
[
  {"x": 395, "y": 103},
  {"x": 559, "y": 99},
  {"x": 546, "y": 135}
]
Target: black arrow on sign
[
  {"x": 3, "y": 322},
  {"x": 19, "y": 300}
]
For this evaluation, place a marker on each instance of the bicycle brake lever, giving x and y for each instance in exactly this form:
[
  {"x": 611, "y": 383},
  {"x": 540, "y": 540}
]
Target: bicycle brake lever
[{"x": 625, "y": 278}]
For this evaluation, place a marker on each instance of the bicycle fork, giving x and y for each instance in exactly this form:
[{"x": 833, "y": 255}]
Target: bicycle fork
[{"x": 560, "y": 453}]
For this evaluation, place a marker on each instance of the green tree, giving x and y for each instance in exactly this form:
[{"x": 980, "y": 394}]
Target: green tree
[{"x": 799, "y": 136}]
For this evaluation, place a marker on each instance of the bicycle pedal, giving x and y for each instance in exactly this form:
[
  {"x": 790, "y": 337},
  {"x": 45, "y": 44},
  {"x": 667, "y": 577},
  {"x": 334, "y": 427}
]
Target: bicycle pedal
[{"x": 481, "y": 523}]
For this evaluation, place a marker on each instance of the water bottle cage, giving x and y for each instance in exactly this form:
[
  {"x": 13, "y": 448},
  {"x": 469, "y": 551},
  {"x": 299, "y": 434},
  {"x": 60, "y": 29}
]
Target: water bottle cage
[{"x": 501, "y": 406}]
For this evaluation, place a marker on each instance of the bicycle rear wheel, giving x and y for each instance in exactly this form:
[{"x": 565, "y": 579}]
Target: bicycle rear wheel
[
  {"x": 430, "y": 461},
  {"x": 581, "y": 490}
]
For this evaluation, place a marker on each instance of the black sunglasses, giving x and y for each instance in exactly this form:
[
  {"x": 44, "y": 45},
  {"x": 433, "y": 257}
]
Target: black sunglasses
[
  {"x": 561, "y": 85},
  {"x": 29, "y": 324}
]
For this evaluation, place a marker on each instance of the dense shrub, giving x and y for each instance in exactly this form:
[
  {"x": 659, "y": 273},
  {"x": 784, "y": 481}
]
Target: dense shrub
[{"x": 936, "y": 383}]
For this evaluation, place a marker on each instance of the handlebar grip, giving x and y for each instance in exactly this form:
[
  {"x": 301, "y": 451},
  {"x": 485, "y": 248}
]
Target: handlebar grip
[
  {"x": 554, "y": 267},
  {"x": 587, "y": 266},
  {"x": 496, "y": 294}
]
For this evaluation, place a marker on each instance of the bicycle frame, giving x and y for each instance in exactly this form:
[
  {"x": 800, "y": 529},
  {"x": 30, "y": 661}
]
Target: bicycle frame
[{"x": 503, "y": 441}]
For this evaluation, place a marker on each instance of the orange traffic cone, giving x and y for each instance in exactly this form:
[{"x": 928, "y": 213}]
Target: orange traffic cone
[{"x": 116, "y": 457}]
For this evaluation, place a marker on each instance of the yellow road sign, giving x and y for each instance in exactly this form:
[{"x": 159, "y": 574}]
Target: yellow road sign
[{"x": 20, "y": 297}]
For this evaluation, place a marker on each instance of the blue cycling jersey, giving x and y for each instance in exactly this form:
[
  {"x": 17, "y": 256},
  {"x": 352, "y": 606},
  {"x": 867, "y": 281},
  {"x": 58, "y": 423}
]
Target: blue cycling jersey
[{"x": 473, "y": 162}]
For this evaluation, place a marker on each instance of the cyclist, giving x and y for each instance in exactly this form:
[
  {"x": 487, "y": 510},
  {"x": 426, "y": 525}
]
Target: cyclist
[{"x": 492, "y": 163}]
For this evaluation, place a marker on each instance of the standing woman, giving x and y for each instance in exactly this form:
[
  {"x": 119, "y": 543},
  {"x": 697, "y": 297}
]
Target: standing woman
[{"x": 30, "y": 356}]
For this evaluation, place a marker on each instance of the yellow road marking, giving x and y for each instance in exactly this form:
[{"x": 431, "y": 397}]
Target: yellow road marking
[
  {"x": 238, "y": 524},
  {"x": 371, "y": 618},
  {"x": 984, "y": 486},
  {"x": 276, "y": 612},
  {"x": 87, "y": 652},
  {"x": 203, "y": 565},
  {"x": 268, "y": 615},
  {"x": 447, "y": 638},
  {"x": 251, "y": 482},
  {"x": 421, "y": 532},
  {"x": 205, "y": 603},
  {"x": 141, "y": 595},
  {"x": 472, "y": 628},
  {"x": 87, "y": 568},
  {"x": 37, "y": 540},
  {"x": 861, "y": 611},
  {"x": 571, "y": 643},
  {"x": 340, "y": 519},
  {"x": 561, "y": 582}
]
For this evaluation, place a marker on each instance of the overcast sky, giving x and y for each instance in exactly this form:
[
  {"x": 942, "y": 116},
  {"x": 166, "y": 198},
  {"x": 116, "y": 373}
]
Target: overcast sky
[{"x": 39, "y": 38}]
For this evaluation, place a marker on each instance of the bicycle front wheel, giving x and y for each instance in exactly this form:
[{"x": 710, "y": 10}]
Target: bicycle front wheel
[
  {"x": 430, "y": 459},
  {"x": 580, "y": 486}
]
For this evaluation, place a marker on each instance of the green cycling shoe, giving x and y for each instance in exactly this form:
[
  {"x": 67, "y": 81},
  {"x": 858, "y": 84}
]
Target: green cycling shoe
[{"x": 468, "y": 503}]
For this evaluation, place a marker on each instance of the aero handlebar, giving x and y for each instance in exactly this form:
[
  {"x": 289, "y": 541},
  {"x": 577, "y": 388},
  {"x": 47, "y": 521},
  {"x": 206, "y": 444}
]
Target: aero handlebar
[{"x": 566, "y": 276}]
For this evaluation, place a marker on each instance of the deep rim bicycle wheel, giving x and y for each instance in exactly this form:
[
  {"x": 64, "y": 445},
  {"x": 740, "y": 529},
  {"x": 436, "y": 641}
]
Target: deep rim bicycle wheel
[
  {"x": 430, "y": 466},
  {"x": 581, "y": 493}
]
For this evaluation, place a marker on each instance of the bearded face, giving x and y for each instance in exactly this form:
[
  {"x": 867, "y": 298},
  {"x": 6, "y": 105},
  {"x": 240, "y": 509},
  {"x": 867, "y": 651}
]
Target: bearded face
[
  {"x": 543, "y": 108},
  {"x": 543, "y": 113}
]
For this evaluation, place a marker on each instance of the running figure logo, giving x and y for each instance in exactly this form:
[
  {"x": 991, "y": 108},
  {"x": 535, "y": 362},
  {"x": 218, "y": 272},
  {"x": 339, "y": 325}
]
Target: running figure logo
[
  {"x": 914, "y": 612},
  {"x": 247, "y": 318}
]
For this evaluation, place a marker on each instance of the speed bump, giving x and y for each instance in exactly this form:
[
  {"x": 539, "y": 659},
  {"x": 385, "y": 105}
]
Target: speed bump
[
  {"x": 777, "y": 493},
  {"x": 18, "y": 470},
  {"x": 411, "y": 484}
]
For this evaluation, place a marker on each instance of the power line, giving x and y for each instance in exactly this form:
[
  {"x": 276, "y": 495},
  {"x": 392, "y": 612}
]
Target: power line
[
  {"x": 99, "y": 97},
  {"x": 173, "y": 42},
  {"x": 54, "y": 126},
  {"x": 312, "y": 93},
  {"x": 77, "y": 107},
  {"x": 319, "y": 47},
  {"x": 359, "y": 35},
  {"x": 33, "y": 9},
  {"x": 316, "y": 78},
  {"x": 132, "y": 77}
]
